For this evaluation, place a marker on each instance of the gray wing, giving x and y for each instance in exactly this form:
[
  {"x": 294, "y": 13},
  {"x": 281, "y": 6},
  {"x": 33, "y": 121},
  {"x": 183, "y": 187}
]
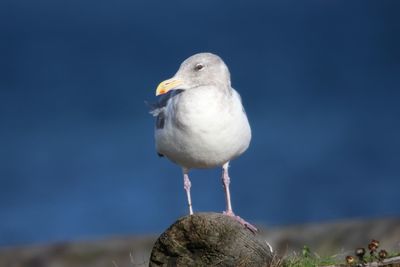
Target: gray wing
[{"x": 158, "y": 109}]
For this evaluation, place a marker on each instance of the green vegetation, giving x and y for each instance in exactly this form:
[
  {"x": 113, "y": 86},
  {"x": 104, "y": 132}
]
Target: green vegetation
[{"x": 308, "y": 259}]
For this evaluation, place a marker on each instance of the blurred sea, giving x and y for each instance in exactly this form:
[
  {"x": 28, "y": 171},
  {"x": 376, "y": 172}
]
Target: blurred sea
[{"x": 319, "y": 80}]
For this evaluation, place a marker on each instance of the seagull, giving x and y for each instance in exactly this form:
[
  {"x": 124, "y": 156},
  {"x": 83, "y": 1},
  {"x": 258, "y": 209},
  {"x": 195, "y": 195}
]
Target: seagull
[{"x": 201, "y": 122}]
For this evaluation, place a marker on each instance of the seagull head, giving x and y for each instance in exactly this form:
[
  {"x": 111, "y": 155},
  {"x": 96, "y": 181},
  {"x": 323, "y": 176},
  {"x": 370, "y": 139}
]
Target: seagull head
[{"x": 203, "y": 69}]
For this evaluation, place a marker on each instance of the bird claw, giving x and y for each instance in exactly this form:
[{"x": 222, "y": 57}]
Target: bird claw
[{"x": 246, "y": 224}]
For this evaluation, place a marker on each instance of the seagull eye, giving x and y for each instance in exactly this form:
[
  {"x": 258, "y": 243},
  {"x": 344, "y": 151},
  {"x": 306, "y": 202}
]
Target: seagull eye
[{"x": 198, "y": 67}]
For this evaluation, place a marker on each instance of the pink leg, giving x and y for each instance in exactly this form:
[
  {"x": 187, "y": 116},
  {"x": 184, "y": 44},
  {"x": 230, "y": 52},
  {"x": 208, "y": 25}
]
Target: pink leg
[
  {"x": 187, "y": 184},
  {"x": 225, "y": 182}
]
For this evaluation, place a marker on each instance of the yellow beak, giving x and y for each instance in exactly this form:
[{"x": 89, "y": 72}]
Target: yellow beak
[{"x": 167, "y": 85}]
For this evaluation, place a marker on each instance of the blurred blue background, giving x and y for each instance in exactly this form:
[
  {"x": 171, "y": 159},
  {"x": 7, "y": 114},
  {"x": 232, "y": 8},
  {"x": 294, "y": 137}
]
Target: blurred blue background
[{"x": 319, "y": 80}]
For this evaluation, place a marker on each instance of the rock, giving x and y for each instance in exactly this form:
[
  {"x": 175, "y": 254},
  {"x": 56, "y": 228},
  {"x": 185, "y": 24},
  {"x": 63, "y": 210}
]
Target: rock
[{"x": 209, "y": 239}]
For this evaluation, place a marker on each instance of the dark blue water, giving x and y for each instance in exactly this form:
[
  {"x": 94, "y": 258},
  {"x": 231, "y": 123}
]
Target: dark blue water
[{"x": 320, "y": 82}]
